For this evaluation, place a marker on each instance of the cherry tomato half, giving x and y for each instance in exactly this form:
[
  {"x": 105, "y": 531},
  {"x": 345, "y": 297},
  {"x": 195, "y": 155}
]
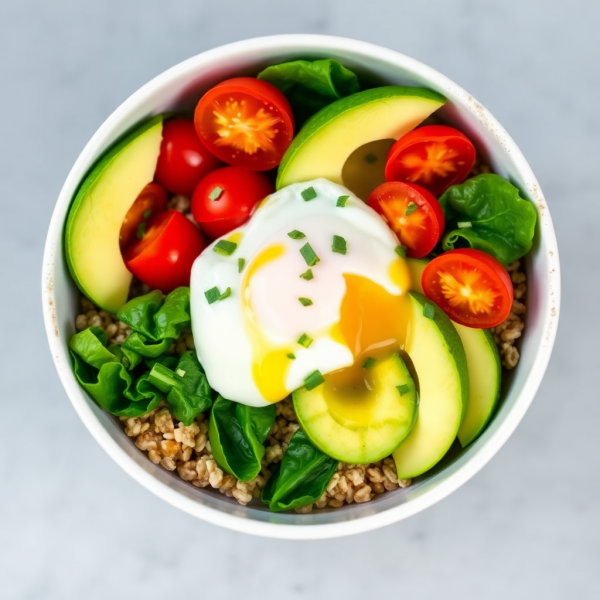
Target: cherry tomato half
[
  {"x": 412, "y": 213},
  {"x": 164, "y": 256},
  {"x": 433, "y": 156},
  {"x": 225, "y": 198},
  {"x": 470, "y": 286},
  {"x": 245, "y": 122},
  {"x": 151, "y": 201},
  {"x": 183, "y": 158}
]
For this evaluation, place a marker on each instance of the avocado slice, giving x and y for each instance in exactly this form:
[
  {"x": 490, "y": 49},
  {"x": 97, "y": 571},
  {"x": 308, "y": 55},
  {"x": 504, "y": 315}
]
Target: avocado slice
[
  {"x": 438, "y": 358},
  {"x": 98, "y": 210},
  {"x": 329, "y": 137},
  {"x": 364, "y": 426}
]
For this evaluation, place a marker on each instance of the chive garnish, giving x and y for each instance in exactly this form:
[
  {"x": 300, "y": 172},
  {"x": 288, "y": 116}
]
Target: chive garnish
[
  {"x": 225, "y": 247},
  {"x": 305, "y": 340},
  {"x": 308, "y": 194},
  {"x": 410, "y": 209},
  {"x": 309, "y": 255},
  {"x": 296, "y": 235},
  {"x": 370, "y": 158},
  {"x": 147, "y": 214},
  {"x": 141, "y": 230},
  {"x": 305, "y": 301},
  {"x": 215, "y": 193},
  {"x": 314, "y": 380},
  {"x": 180, "y": 372},
  {"x": 339, "y": 244},
  {"x": 401, "y": 251},
  {"x": 241, "y": 263},
  {"x": 403, "y": 389},
  {"x": 308, "y": 275},
  {"x": 291, "y": 355},
  {"x": 464, "y": 224},
  {"x": 212, "y": 295},
  {"x": 428, "y": 310},
  {"x": 369, "y": 362},
  {"x": 225, "y": 294},
  {"x": 341, "y": 201}
]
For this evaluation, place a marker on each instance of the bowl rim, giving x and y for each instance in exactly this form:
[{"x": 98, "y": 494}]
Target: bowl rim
[{"x": 298, "y": 43}]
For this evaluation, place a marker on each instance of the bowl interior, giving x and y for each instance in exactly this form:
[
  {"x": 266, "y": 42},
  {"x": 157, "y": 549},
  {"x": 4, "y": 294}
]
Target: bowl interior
[{"x": 178, "y": 89}]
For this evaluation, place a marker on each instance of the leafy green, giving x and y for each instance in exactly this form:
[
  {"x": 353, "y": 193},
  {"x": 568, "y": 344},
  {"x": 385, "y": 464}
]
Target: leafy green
[
  {"x": 311, "y": 85},
  {"x": 102, "y": 373},
  {"x": 502, "y": 222},
  {"x": 302, "y": 477},
  {"x": 236, "y": 433},
  {"x": 187, "y": 389}
]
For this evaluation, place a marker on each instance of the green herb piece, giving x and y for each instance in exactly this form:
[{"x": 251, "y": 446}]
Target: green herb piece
[
  {"x": 401, "y": 251},
  {"x": 428, "y": 310},
  {"x": 291, "y": 355},
  {"x": 314, "y": 380},
  {"x": 309, "y": 255},
  {"x": 147, "y": 214},
  {"x": 302, "y": 478},
  {"x": 305, "y": 301},
  {"x": 237, "y": 433},
  {"x": 241, "y": 263},
  {"x": 225, "y": 294},
  {"x": 370, "y": 158},
  {"x": 341, "y": 201},
  {"x": 215, "y": 193},
  {"x": 225, "y": 247},
  {"x": 180, "y": 372},
  {"x": 308, "y": 194},
  {"x": 410, "y": 209},
  {"x": 369, "y": 362},
  {"x": 141, "y": 230},
  {"x": 296, "y": 235},
  {"x": 464, "y": 224},
  {"x": 212, "y": 295},
  {"x": 339, "y": 244},
  {"x": 403, "y": 389},
  {"x": 305, "y": 340},
  {"x": 308, "y": 275}
]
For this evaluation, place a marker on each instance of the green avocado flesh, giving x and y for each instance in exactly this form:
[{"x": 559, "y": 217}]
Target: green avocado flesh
[
  {"x": 439, "y": 361},
  {"x": 361, "y": 427},
  {"x": 98, "y": 210},
  {"x": 328, "y": 138}
]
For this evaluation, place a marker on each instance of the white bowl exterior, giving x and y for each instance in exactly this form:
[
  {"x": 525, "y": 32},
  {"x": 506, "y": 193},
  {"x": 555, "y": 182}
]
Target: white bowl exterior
[{"x": 180, "y": 86}]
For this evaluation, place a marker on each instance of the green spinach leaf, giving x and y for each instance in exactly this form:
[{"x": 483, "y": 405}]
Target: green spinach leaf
[
  {"x": 237, "y": 433},
  {"x": 311, "y": 85},
  {"x": 302, "y": 477},
  {"x": 494, "y": 218}
]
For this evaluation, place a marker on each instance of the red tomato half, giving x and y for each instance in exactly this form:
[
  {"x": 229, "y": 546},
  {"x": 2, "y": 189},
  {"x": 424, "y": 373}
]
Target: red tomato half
[
  {"x": 164, "y": 256},
  {"x": 412, "y": 213},
  {"x": 183, "y": 158},
  {"x": 225, "y": 198},
  {"x": 470, "y": 286},
  {"x": 245, "y": 122},
  {"x": 151, "y": 201},
  {"x": 433, "y": 156}
]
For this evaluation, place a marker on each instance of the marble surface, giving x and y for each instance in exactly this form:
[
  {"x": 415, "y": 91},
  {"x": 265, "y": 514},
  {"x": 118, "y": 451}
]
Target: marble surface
[{"x": 73, "y": 525}]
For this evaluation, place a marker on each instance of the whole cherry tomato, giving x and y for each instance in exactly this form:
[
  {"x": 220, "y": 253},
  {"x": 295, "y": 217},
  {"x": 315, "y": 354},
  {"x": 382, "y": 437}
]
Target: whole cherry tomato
[
  {"x": 183, "y": 158},
  {"x": 164, "y": 255},
  {"x": 245, "y": 122},
  {"x": 225, "y": 199}
]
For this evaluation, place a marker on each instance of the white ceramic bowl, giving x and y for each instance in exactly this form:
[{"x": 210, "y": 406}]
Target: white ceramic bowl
[{"x": 180, "y": 87}]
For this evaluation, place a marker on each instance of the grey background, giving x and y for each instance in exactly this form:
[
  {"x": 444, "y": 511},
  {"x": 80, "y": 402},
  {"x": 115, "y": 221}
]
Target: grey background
[{"x": 73, "y": 525}]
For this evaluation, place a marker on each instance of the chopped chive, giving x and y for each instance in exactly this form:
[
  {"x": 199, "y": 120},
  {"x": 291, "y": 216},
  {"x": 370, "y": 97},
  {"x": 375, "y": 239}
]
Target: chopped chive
[
  {"x": 309, "y": 255},
  {"x": 428, "y": 310},
  {"x": 212, "y": 295},
  {"x": 308, "y": 275},
  {"x": 305, "y": 340},
  {"x": 291, "y": 355},
  {"x": 369, "y": 362},
  {"x": 403, "y": 389},
  {"x": 410, "y": 209},
  {"x": 464, "y": 224},
  {"x": 241, "y": 263},
  {"x": 401, "y": 251},
  {"x": 296, "y": 235},
  {"x": 308, "y": 194},
  {"x": 147, "y": 214},
  {"x": 141, "y": 230},
  {"x": 305, "y": 301},
  {"x": 225, "y": 247},
  {"x": 341, "y": 201},
  {"x": 215, "y": 193},
  {"x": 370, "y": 158},
  {"x": 339, "y": 244},
  {"x": 180, "y": 372},
  {"x": 314, "y": 380},
  {"x": 225, "y": 294}
]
